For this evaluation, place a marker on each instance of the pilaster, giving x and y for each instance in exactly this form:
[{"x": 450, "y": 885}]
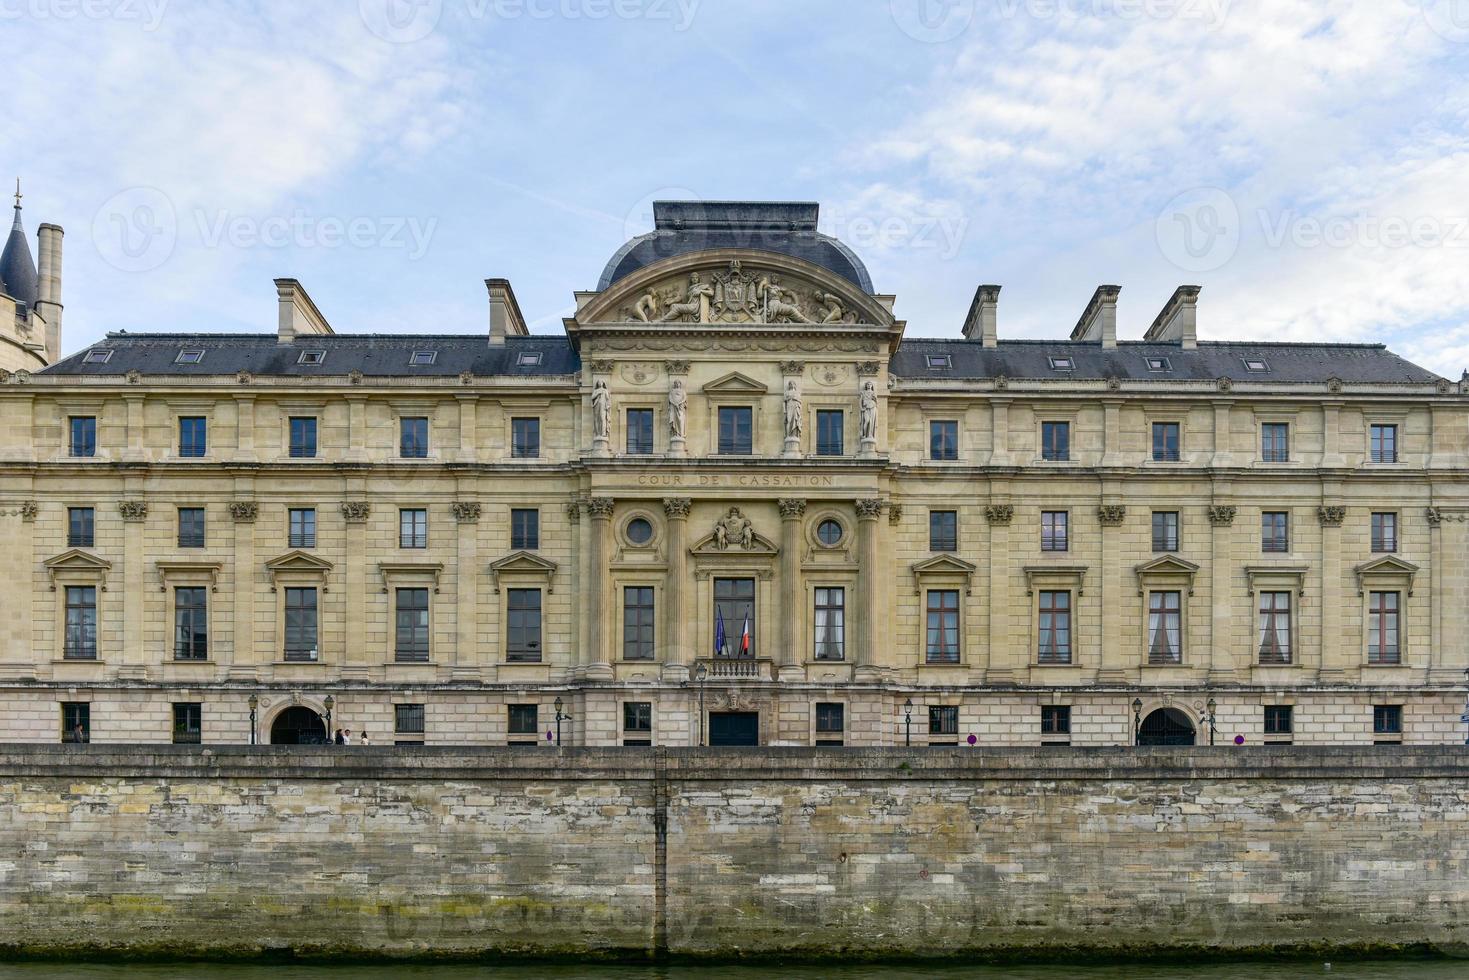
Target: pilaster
[
  {"x": 867, "y": 585},
  {"x": 599, "y": 666},
  {"x": 792, "y": 510},
  {"x": 676, "y": 620}
]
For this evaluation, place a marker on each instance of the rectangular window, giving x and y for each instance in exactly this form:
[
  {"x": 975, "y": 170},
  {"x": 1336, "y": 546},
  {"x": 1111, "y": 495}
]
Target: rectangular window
[
  {"x": 76, "y": 721},
  {"x": 637, "y": 723},
  {"x": 1056, "y": 441},
  {"x": 191, "y": 527},
  {"x": 943, "y": 530},
  {"x": 1385, "y": 531},
  {"x": 829, "y": 432},
  {"x": 1055, "y": 724},
  {"x": 83, "y": 441},
  {"x": 301, "y": 531},
  {"x": 408, "y": 720},
  {"x": 1166, "y": 442},
  {"x": 412, "y": 626},
  {"x": 942, "y": 645},
  {"x": 80, "y": 527},
  {"x": 1055, "y": 627},
  {"x": 734, "y": 612},
  {"x": 413, "y": 438},
  {"x": 1165, "y": 628},
  {"x": 1275, "y": 442},
  {"x": 522, "y": 720},
  {"x": 525, "y": 529},
  {"x": 525, "y": 438},
  {"x": 830, "y": 620},
  {"x": 1279, "y": 719},
  {"x": 1275, "y": 531},
  {"x": 1383, "y": 628},
  {"x": 1054, "y": 530},
  {"x": 301, "y": 625},
  {"x": 943, "y": 439},
  {"x": 191, "y": 623},
  {"x": 80, "y": 642},
  {"x": 831, "y": 723},
  {"x": 637, "y": 622},
  {"x": 1165, "y": 530},
  {"x": 943, "y": 719},
  {"x": 523, "y": 626},
  {"x": 412, "y": 528},
  {"x": 639, "y": 431},
  {"x": 1275, "y": 632},
  {"x": 303, "y": 438},
  {"x": 193, "y": 436},
  {"x": 1387, "y": 719},
  {"x": 188, "y": 723},
  {"x": 1384, "y": 440},
  {"x": 736, "y": 434}
]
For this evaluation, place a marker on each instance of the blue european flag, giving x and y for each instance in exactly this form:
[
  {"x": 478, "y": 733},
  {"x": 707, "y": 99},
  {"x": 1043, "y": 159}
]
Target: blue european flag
[{"x": 718, "y": 632}]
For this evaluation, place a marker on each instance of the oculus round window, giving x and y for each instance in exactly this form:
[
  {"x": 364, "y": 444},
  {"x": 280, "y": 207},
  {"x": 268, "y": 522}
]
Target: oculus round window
[
  {"x": 829, "y": 532},
  {"x": 639, "y": 531}
]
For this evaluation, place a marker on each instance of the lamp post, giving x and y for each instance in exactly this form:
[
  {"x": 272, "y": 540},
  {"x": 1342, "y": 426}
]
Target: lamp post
[
  {"x": 557, "y": 704},
  {"x": 329, "y": 703},
  {"x": 908, "y": 723},
  {"x": 1211, "y": 706},
  {"x": 254, "y": 703},
  {"x": 1465, "y": 716},
  {"x": 701, "y": 672},
  {"x": 1137, "y": 719}
]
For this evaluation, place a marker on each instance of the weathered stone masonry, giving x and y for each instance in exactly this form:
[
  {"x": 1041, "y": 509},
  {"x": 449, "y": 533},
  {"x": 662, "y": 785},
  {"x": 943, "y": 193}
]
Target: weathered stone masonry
[{"x": 465, "y": 851}]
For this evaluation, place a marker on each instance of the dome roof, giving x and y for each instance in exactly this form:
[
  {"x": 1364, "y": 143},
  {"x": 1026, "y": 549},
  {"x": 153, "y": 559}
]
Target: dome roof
[
  {"x": 17, "y": 269},
  {"x": 681, "y": 227}
]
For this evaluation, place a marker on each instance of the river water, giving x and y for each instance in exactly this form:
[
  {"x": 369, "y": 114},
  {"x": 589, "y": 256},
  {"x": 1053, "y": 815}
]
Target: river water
[{"x": 1407, "y": 969}]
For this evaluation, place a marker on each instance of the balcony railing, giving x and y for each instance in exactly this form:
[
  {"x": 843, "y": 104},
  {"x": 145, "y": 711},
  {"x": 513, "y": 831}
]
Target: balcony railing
[{"x": 747, "y": 668}]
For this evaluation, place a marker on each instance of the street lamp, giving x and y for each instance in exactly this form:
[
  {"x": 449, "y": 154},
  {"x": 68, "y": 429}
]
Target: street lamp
[
  {"x": 1465, "y": 716},
  {"x": 1210, "y": 706},
  {"x": 557, "y": 704},
  {"x": 701, "y": 672},
  {"x": 329, "y": 703},
  {"x": 908, "y": 723},
  {"x": 1137, "y": 719},
  {"x": 254, "y": 703}
]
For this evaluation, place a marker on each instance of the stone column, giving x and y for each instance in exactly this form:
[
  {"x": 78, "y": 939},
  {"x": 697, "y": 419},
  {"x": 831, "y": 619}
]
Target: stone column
[
  {"x": 465, "y": 661},
  {"x": 675, "y": 620},
  {"x": 1221, "y": 562},
  {"x": 135, "y": 515},
  {"x": 356, "y": 514},
  {"x": 1116, "y": 661},
  {"x": 868, "y": 579},
  {"x": 599, "y": 663},
  {"x": 1001, "y": 665},
  {"x": 791, "y": 512},
  {"x": 244, "y": 658},
  {"x": 1331, "y": 603}
]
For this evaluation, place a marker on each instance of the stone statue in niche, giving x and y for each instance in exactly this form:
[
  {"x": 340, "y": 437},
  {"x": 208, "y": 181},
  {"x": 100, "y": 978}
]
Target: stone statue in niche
[
  {"x": 868, "y": 404},
  {"x": 794, "y": 422},
  {"x": 734, "y": 528},
  {"x": 780, "y": 302},
  {"x": 678, "y": 404},
  {"x": 695, "y": 305},
  {"x": 601, "y": 410}
]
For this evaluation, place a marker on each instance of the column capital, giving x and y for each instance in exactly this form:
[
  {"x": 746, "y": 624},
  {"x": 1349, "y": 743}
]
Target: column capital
[
  {"x": 791, "y": 508},
  {"x": 677, "y": 508},
  {"x": 601, "y": 508},
  {"x": 869, "y": 508}
]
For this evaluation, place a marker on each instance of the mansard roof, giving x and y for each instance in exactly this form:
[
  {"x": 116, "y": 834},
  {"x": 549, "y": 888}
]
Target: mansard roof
[
  {"x": 375, "y": 355},
  {"x": 1129, "y": 361},
  {"x": 788, "y": 228}
]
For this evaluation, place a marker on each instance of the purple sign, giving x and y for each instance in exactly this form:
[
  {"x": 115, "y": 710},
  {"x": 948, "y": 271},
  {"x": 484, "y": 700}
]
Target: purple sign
[
  {"x": 1239, "y": 740},
  {"x": 972, "y": 740}
]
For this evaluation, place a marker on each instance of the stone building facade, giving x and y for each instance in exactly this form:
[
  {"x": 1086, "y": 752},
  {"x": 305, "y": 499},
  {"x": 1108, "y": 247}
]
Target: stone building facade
[{"x": 732, "y": 503}]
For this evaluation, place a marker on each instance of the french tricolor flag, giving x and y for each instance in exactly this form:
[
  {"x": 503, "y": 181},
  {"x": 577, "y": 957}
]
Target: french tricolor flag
[{"x": 745, "y": 636}]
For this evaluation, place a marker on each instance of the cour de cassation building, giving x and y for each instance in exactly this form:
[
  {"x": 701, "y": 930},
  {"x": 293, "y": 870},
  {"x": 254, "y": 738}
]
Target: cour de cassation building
[{"x": 733, "y": 503}]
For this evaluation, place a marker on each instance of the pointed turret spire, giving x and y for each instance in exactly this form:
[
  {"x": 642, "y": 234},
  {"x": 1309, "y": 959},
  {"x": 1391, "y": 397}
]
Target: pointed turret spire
[{"x": 17, "y": 268}]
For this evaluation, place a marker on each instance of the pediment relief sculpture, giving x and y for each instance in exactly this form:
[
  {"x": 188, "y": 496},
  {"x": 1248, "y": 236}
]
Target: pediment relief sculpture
[
  {"x": 734, "y": 532},
  {"x": 737, "y": 294}
]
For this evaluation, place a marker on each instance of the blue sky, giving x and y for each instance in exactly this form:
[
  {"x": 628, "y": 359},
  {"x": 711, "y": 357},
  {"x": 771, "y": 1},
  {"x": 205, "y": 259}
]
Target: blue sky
[{"x": 1305, "y": 161}]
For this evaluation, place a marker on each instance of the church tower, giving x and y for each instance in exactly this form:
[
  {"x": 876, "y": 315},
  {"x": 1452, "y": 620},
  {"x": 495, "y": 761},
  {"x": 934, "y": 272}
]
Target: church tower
[{"x": 30, "y": 299}]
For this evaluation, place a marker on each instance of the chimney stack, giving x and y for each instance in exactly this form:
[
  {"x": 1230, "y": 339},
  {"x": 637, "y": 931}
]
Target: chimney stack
[
  {"x": 48, "y": 275},
  {"x": 505, "y": 318},
  {"x": 1178, "y": 323},
  {"x": 1099, "y": 321},
  {"x": 982, "y": 323},
  {"x": 296, "y": 315}
]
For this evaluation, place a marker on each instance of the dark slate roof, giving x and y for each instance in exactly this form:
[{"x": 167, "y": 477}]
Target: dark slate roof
[
  {"x": 681, "y": 227},
  {"x": 375, "y": 355},
  {"x": 1211, "y": 360},
  {"x": 17, "y": 269}
]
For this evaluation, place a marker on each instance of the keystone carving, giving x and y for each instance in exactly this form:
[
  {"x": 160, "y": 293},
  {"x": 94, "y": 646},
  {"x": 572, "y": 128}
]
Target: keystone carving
[
  {"x": 999, "y": 514},
  {"x": 1001, "y": 382},
  {"x": 677, "y": 508},
  {"x": 1111, "y": 515},
  {"x": 869, "y": 508},
  {"x": 133, "y": 511},
  {"x": 601, "y": 507},
  {"x": 791, "y": 508},
  {"x": 1226, "y": 385},
  {"x": 1334, "y": 384},
  {"x": 1221, "y": 516},
  {"x": 1331, "y": 516},
  {"x": 354, "y": 376},
  {"x": 734, "y": 528},
  {"x": 895, "y": 513},
  {"x": 133, "y": 377},
  {"x": 356, "y": 511},
  {"x": 244, "y": 377},
  {"x": 244, "y": 511},
  {"x": 466, "y": 511}
]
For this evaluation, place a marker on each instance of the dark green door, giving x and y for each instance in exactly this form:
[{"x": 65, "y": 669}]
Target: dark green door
[{"x": 734, "y": 728}]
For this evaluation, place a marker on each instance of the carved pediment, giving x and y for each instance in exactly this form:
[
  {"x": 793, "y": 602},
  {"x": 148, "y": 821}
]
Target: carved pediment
[
  {"x": 410, "y": 573},
  {"x": 1389, "y": 569},
  {"x": 78, "y": 563},
  {"x": 299, "y": 564},
  {"x": 734, "y": 532},
  {"x": 188, "y": 572},
  {"x": 736, "y": 383},
  {"x": 523, "y": 563},
  {"x": 944, "y": 565},
  {"x": 1165, "y": 569}
]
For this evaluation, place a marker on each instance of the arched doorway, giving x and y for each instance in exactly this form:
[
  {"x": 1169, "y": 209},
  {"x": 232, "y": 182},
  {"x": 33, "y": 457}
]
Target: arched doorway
[
  {"x": 1166, "y": 726},
  {"x": 298, "y": 726}
]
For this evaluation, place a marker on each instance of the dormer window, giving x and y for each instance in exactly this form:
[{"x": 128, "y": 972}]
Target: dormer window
[
  {"x": 1256, "y": 365},
  {"x": 97, "y": 357},
  {"x": 1159, "y": 364},
  {"x": 939, "y": 362},
  {"x": 189, "y": 355},
  {"x": 528, "y": 358},
  {"x": 311, "y": 357},
  {"x": 423, "y": 358},
  {"x": 1062, "y": 364}
]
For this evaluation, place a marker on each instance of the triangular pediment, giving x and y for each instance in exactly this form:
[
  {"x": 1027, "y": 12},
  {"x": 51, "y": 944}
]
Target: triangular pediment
[
  {"x": 77, "y": 560},
  {"x": 298, "y": 561},
  {"x": 1387, "y": 565},
  {"x": 943, "y": 564},
  {"x": 736, "y": 383},
  {"x": 523, "y": 563},
  {"x": 1166, "y": 565},
  {"x": 759, "y": 547}
]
